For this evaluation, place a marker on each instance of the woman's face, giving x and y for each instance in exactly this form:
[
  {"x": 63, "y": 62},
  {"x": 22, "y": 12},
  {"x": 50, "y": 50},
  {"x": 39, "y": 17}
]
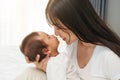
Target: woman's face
[{"x": 67, "y": 35}]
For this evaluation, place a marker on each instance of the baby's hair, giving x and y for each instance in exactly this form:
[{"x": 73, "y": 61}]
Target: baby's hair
[{"x": 31, "y": 47}]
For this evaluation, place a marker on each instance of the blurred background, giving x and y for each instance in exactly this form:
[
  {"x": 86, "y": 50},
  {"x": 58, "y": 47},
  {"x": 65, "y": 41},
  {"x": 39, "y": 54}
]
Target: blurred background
[
  {"x": 20, "y": 17},
  {"x": 17, "y": 19}
]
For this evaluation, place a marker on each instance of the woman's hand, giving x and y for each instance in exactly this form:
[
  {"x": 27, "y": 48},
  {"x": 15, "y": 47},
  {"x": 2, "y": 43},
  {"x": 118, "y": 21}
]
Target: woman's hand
[{"x": 41, "y": 65}]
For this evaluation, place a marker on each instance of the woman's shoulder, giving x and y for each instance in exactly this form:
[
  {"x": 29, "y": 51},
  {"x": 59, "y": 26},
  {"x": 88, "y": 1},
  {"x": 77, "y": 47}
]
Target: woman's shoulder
[
  {"x": 105, "y": 54},
  {"x": 105, "y": 63},
  {"x": 103, "y": 51}
]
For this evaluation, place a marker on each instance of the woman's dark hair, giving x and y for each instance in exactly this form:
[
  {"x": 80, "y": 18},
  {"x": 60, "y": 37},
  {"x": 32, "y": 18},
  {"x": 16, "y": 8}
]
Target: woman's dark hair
[
  {"x": 31, "y": 47},
  {"x": 80, "y": 17}
]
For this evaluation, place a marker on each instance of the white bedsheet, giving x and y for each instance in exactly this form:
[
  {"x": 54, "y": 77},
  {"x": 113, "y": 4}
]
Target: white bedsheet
[{"x": 12, "y": 62}]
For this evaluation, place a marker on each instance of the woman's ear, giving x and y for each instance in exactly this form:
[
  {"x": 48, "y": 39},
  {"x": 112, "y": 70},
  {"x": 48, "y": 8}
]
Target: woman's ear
[{"x": 46, "y": 51}]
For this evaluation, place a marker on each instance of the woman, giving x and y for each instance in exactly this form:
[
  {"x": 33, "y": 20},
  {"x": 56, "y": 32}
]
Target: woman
[
  {"x": 97, "y": 56},
  {"x": 94, "y": 49}
]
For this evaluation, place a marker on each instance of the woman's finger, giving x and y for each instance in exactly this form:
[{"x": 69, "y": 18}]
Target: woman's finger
[
  {"x": 42, "y": 65},
  {"x": 36, "y": 62},
  {"x": 37, "y": 58},
  {"x": 45, "y": 60}
]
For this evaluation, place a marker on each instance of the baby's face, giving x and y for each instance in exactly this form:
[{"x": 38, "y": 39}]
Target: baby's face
[{"x": 50, "y": 40}]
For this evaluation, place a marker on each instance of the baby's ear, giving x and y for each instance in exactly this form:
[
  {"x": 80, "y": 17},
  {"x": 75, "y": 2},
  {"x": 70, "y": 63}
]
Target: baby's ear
[{"x": 46, "y": 51}]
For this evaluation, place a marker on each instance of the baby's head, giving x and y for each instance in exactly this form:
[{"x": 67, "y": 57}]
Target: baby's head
[{"x": 39, "y": 43}]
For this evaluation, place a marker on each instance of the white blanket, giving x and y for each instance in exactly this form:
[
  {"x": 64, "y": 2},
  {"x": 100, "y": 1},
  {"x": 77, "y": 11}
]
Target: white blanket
[{"x": 12, "y": 62}]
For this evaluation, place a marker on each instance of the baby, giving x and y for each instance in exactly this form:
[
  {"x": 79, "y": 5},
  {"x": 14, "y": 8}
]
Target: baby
[
  {"x": 39, "y": 43},
  {"x": 46, "y": 45}
]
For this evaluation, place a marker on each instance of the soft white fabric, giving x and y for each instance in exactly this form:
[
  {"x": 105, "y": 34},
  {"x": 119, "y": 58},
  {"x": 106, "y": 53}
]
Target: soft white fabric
[
  {"x": 32, "y": 73},
  {"x": 103, "y": 65},
  {"x": 12, "y": 62},
  {"x": 56, "y": 67},
  {"x": 61, "y": 67}
]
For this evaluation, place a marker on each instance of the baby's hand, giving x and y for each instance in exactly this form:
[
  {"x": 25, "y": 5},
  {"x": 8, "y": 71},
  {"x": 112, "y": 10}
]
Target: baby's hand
[{"x": 42, "y": 64}]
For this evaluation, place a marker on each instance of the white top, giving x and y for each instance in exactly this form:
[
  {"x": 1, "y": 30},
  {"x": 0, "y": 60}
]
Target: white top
[
  {"x": 57, "y": 68},
  {"x": 103, "y": 65}
]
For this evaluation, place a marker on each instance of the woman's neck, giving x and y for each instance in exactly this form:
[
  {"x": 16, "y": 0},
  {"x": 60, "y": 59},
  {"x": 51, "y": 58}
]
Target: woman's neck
[{"x": 84, "y": 53}]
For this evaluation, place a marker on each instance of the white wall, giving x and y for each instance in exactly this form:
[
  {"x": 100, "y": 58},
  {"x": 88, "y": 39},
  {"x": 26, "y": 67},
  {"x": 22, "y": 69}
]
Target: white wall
[{"x": 113, "y": 15}]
